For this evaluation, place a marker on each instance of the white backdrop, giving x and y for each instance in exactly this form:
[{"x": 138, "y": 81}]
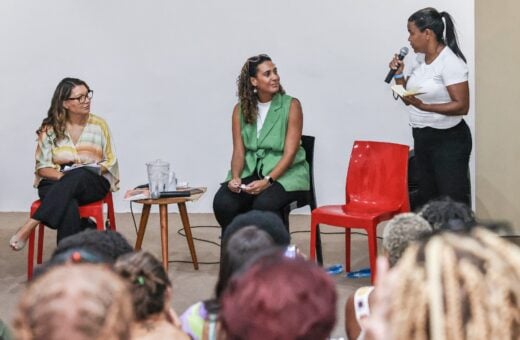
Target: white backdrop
[{"x": 164, "y": 77}]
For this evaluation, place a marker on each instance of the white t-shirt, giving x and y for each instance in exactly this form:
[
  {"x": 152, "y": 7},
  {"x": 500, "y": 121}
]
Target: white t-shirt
[
  {"x": 447, "y": 69},
  {"x": 263, "y": 108}
]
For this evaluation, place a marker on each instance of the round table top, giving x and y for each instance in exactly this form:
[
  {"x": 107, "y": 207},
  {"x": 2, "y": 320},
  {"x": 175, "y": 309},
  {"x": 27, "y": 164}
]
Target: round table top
[{"x": 173, "y": 200}]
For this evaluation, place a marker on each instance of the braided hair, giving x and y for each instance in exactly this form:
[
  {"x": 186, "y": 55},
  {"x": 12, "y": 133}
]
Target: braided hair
[
  {"x": 246, "y": 92},
  {"x": 148, "y": 282},
  {"x": 458, "y": 286}
]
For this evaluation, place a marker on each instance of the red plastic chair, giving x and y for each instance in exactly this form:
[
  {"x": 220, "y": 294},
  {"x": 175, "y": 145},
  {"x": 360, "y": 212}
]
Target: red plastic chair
[
  {"x": 94, "y": 209},
  {"x": 376, "y": 190}
]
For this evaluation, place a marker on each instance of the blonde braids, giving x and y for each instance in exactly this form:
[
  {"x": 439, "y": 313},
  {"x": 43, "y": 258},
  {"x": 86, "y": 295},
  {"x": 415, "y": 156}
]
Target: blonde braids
[{"x": 480, "y": 288}]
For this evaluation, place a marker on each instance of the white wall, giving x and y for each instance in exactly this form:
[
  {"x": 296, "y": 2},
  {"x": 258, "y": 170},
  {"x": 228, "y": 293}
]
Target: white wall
[{"x": 164, "y": 78}]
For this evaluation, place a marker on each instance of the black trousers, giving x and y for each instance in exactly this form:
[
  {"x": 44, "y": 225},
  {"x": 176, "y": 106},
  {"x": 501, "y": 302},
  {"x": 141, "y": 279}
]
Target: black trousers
[
  {"x": 60, "y": 200},
  {"x": 442, "y": 158},
  {"x": 228, "y": 204}
]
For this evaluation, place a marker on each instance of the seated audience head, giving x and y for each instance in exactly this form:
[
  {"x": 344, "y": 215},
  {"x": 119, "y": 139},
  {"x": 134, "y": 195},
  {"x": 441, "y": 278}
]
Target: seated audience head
[
  {"x": 83, "y": 301},
  {"x": 109, "y": 244},
  {"x": 448, "y": 214},
  {"x": 149, "y": 283},
  {"x": 461, "y": 286},
  {"x": 71, "y": 256},
  {"x": 400, "y": 231},
  {"x": 263, "y": 220},
  {"x": 280, "y": 298},
  {"x": 242, "y": 246}
]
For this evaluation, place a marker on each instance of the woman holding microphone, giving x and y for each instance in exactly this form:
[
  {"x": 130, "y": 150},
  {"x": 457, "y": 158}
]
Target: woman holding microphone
[{"x": 442, "y": 139}]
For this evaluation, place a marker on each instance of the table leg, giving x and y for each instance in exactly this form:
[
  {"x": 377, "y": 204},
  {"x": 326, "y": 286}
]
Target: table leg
[
  {"x": 187, "y": 230},
  {"x": 163, "y": 213},
  {"x": 142, "y": 226}
]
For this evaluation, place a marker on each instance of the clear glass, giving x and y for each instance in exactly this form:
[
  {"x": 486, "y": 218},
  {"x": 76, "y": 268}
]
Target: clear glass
[{"x": 158, "y": 177}]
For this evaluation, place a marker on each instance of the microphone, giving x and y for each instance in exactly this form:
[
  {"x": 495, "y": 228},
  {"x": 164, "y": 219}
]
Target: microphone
[{"x": 402, "y": 53}]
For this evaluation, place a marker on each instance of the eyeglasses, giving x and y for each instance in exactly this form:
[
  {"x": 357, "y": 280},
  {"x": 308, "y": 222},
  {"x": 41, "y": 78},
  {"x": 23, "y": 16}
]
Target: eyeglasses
[{"x": 82, "y": 99}]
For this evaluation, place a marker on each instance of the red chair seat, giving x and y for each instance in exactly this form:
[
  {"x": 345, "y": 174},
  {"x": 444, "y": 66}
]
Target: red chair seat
[
  {"x": 339, "y": 214},
  {"x": 376, "y": 189},
  {"x": 94, "y": 209}
]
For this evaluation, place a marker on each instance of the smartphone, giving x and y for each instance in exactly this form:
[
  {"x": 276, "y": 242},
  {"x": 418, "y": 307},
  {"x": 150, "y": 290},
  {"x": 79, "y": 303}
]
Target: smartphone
[{"x": 290, "y": 251}]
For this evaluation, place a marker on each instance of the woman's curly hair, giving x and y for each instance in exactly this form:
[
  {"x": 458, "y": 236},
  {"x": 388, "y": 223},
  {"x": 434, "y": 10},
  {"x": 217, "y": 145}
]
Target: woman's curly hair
[{"x": 246, "y": 94}]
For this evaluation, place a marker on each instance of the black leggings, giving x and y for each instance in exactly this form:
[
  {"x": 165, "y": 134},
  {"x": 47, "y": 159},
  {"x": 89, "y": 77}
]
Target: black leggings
[
  {"x": 60, "y": 200},
  {"x": 442, "y": 158},
  {"x": 228, "y": 204}
]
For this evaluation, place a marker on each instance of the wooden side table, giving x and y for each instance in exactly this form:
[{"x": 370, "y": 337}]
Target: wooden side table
[{"x": 163, "y": 213}]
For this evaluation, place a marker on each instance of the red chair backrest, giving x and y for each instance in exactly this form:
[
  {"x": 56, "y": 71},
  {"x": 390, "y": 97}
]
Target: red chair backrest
[{"x": 377, "y": 174}]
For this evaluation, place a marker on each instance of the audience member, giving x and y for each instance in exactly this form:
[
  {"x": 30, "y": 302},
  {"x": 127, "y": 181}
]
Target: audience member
[
  {"x": 447, "y": 214},
  {"x": 246, "y": 243},
  {"x": 84, "y": 301},
  {"x": 91, "y": 246},
  {"x": 280, "y": 298},
  {"x": 263, "y": 220},
  {"x": 452, "y": 286},
  {"x": 110, "y": 244},
  {"x": 399, "y": 232},
  {"x": 151, "y": 292}
]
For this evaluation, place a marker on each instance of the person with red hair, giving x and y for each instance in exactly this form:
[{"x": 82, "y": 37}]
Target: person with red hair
[{"x": 279, "y": 298}]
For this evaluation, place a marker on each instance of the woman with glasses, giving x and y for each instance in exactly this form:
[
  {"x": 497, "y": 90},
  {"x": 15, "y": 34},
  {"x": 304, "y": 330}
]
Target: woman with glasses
[
  {"x": 75, "y": 163},
  {"x": 268, "y": 166}
]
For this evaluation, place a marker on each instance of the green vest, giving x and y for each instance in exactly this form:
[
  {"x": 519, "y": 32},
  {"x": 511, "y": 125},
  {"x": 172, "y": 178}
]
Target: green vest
[{"x": 266, "y": 150}]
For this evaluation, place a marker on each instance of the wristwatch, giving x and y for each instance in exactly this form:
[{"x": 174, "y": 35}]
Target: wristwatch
[{"x": 269, "y": 179}]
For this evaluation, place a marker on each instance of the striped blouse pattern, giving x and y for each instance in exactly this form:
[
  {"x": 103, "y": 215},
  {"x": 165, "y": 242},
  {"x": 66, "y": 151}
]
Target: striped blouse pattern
[{"x": 94, "y": 146}]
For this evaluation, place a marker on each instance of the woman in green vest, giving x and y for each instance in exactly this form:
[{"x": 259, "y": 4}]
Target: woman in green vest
[{"x": 268, "y": 166}]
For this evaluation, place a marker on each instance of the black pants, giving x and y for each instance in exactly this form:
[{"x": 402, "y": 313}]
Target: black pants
[
  {"x": 442, "y": 158},
  {"x": 228, "y": 204},
  {"x": 60, "y": 200}
]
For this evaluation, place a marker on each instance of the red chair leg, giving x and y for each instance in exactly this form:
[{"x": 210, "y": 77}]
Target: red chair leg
[
  {"x": 30, "y": 256},
  {"x": 41, "y": 230},
  {"x": 110, "y": 211},
  {"x": 372, "y": 252},
  {"x": 347, "y": 249}
]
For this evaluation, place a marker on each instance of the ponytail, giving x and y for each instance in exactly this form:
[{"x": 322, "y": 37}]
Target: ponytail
[
  {"x": 430, "y": 18},
  {"x": 451, "y": 36}
]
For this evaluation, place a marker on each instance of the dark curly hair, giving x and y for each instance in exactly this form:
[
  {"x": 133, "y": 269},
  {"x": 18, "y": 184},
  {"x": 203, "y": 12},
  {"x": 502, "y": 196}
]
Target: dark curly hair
[
  {"x": 148, "y": 282},
  {"x": 57, "y": 114},
  {"x": 246, "y": 95}
]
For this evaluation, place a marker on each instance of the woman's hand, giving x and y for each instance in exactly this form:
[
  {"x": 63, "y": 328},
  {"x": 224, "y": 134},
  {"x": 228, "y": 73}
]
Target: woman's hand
[
  {"x": 256, "y": 187},
  {"x": 396, "y": 64},
  {"x": 414, "y": 101},
  {"x": 234, "y": 185}
]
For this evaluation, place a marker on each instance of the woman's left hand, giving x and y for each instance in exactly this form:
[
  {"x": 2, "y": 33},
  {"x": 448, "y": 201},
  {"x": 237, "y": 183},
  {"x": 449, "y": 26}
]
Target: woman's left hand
[
  {"x": 414, "y": 101},
  {"x": 256, "y": 187}
]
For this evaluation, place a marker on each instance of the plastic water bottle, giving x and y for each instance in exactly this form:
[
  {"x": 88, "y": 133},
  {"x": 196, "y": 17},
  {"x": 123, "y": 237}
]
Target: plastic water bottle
[{"x": 335, "y": 269}]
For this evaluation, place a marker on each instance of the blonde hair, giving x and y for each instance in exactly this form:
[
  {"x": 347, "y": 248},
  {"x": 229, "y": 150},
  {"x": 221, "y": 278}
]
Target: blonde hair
[
  {"x": 76, "y": 301},
  {"x": 458, "y": 287}
]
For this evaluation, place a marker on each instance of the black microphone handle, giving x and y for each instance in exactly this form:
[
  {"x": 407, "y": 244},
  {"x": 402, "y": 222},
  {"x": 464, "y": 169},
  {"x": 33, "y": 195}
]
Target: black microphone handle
[{"x": 391, "y": 73}]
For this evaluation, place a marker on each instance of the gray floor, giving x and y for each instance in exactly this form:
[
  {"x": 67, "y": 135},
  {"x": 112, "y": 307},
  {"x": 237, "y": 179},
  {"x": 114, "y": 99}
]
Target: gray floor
[{"x": 189, "y": 285}]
